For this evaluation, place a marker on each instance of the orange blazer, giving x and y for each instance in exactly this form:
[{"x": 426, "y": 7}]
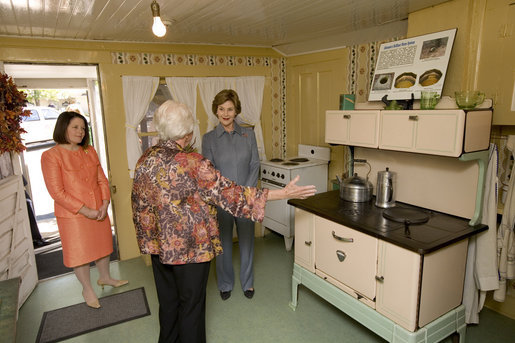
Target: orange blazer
[{"x": 74, "y": 179}]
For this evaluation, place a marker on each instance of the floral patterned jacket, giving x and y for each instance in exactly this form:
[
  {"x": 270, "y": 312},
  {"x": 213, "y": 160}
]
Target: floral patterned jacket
[{"x": 172, "y": 202}]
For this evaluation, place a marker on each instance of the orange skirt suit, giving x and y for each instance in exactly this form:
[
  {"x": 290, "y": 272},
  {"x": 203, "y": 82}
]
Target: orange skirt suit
[{"x": 75, "y": 179}]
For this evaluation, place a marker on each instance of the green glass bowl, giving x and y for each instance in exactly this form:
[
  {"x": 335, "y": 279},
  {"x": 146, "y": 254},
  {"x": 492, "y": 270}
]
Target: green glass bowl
[{"x": 468, "y": 100}]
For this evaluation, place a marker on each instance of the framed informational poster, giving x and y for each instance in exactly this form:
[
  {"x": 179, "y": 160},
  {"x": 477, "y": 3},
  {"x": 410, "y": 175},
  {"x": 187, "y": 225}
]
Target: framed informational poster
[{"x": 408, "y": 66}]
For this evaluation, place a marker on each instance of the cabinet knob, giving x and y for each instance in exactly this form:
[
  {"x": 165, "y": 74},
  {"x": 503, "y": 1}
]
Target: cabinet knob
[
  {"x": 379, "y": 278},
  {"x": 308, "y": 243},
  {"x": 414, "y": 118},
  {"x": 341, "y": 255},
  {"x": 343, "y": 239},
  {"x": 346, "y": 116}
]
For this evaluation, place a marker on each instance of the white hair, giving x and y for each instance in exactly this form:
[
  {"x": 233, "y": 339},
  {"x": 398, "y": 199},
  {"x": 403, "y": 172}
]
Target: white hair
[{"x": 173, "y": 120}]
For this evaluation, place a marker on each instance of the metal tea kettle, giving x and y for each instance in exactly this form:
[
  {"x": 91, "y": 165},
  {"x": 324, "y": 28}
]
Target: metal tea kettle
[
  {"x": 355, "y": 188},
  {"x": 385, "y": 196}
]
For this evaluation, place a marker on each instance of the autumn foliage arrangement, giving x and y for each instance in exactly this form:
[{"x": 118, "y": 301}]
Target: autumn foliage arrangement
[{"x": 12, "y": 102}]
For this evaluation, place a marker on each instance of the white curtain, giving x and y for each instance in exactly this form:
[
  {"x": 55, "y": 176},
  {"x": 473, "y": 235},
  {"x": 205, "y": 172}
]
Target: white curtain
[
  {"x": 138, "y": 92},
  {"x": 184, "y": 89},
  {"x": 506, "y": 235},
  {"x": 250, "y": 91}
]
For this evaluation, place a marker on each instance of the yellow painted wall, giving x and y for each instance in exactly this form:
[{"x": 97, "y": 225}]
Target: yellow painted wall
[
  {"x": 483, "y": 58},
  {"x": 73, "y": 52},
  {"x": 314, "y": 83},
  {"x": 484, "y": 50}
]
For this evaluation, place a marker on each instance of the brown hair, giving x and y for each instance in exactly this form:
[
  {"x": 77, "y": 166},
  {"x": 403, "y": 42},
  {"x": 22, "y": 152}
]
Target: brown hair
[
  {"x": 63, "y": 121},
  {"x": 226, "y": 95}
]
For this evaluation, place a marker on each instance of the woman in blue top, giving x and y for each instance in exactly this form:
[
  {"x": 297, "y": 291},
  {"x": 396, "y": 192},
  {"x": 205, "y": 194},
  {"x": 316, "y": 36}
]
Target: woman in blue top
[{"x": 233, "y": 151}]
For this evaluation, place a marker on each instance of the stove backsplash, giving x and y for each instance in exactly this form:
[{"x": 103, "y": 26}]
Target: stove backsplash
[{"x": 439, "y": 183}]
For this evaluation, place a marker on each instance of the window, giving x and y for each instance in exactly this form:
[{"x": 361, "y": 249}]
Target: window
[
  {"x": 146, "y": 130},
  {"x": 33, "y": 116},
  {"x": 49, "y": 113}
]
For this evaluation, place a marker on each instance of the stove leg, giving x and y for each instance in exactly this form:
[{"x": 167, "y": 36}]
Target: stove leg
[
  {"x": 295, "y": 281},
  {"x": 288, "y": 243}
]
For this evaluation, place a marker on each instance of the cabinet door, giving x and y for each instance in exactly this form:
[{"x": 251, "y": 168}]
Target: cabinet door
[
  {"x": 397, "y": 131},
  {"x": 398, "y": 278},
  {"x": 364, "y": 128},
  {"x": 436, "y": 132},
  {"x": 304, "y": 239},
  {"x": 337, "y": 127},
  {"x": 358, "y": 128},
  {"x": 346, "y": 255},
  {"x": 439, "y": 132}
]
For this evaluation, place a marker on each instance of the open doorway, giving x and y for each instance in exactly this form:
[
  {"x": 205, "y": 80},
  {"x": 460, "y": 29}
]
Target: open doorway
[{"x": 52, "y": 89}]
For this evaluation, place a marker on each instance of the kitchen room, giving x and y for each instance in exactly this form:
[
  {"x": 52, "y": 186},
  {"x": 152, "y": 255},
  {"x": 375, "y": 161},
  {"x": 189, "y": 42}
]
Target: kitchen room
[{"x": 300, "y": 87}]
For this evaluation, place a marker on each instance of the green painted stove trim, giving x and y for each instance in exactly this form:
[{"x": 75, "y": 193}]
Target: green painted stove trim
[
  {"x": 436, "y": 331},
  {"x": 482, "y": 161}
]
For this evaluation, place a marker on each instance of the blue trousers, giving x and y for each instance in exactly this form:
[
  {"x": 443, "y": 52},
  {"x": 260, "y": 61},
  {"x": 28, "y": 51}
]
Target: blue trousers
[{"x": 224, "y": 267}]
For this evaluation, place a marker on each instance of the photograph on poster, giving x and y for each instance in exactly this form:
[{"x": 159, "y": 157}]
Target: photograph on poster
[{"x": 408, "y": 66}]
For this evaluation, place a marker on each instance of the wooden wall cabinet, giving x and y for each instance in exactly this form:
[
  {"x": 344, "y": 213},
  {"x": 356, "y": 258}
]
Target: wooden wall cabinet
[
  {"x": 428, "y": 132},
  {"x": 436, "y": 132},
  {"x": 358, "y": 128}
]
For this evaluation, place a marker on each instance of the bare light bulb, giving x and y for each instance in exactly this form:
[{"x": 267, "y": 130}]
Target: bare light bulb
[{"x": 158, "y": 27}]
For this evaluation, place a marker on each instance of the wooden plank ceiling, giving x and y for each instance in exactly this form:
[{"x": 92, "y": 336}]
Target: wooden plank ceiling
[{"x": 290, "y": 26}]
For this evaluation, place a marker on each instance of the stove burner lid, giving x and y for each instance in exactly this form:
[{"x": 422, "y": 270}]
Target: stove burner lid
[
  {"x": 406, "y": 215},
  {"x": 276, "y": 160},
  {"x": 289, "y": 163},
  {"x": 299, "y": 159}
]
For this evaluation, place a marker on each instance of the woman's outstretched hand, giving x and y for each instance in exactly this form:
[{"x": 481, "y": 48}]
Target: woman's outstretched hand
[{"x": 292, "y": 191}]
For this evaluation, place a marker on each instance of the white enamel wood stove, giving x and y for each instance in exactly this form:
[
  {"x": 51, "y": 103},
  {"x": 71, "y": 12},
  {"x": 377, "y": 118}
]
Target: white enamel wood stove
[{"x": 311, "y": 165}]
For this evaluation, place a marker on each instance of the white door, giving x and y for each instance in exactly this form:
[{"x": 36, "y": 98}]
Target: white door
[{"x": 17, "y": 253}]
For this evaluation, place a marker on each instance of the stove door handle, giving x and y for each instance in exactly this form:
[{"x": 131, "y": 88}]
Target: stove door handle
[
  {"x": 272, "y": 182},
  {"x": 343, "y": 239}
]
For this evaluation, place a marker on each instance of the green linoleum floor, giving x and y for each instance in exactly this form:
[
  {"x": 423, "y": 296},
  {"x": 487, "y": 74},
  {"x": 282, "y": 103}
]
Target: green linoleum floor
[{"x": 265, "y": 318}]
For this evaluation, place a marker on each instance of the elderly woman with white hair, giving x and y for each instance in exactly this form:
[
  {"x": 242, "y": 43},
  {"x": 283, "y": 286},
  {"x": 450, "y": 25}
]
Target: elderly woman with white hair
[{"x": 174, "y": 195}]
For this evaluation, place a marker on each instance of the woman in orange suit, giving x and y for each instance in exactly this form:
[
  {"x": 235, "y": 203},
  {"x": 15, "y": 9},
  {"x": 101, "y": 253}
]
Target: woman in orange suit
[{"x": 76, "y": 182}]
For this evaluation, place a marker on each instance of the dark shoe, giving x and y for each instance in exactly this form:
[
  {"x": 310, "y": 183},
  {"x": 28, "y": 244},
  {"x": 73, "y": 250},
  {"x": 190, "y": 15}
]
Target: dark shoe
[
  {"x": 249, "y": 293},
  {"x": 225, "y": 295}
]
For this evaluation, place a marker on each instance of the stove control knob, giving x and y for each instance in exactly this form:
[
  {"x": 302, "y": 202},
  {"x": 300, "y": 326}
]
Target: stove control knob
[
  {"x": 273, "y": 173},
  {"x": 264, "y": 171},
  {"x": 282, "y": 176}
]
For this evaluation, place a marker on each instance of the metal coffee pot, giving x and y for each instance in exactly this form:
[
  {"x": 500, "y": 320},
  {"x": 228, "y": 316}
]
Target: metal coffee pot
[{"x": 385, "y": 197}]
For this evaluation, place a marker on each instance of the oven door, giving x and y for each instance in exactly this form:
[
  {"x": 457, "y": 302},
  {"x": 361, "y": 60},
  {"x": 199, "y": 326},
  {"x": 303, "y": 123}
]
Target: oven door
[{"x": 278, "y": 214}]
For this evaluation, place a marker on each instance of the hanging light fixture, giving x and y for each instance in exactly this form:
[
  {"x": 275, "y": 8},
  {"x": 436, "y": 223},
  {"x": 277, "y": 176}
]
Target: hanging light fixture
[{"x": 158, "y": 28}]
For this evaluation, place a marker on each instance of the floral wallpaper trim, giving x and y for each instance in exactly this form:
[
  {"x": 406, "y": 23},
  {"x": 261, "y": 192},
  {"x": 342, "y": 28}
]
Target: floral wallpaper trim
[
  {"x": 278, "y": 81},
  {"x": 361, "y": 67}
]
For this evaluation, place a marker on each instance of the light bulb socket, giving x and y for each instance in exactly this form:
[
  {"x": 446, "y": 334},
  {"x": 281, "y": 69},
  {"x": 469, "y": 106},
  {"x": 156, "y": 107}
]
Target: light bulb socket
[{"x": 154, "y": 6}]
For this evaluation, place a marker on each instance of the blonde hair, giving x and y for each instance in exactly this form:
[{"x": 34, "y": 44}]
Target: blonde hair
[{"x": 173, "y": 120}]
